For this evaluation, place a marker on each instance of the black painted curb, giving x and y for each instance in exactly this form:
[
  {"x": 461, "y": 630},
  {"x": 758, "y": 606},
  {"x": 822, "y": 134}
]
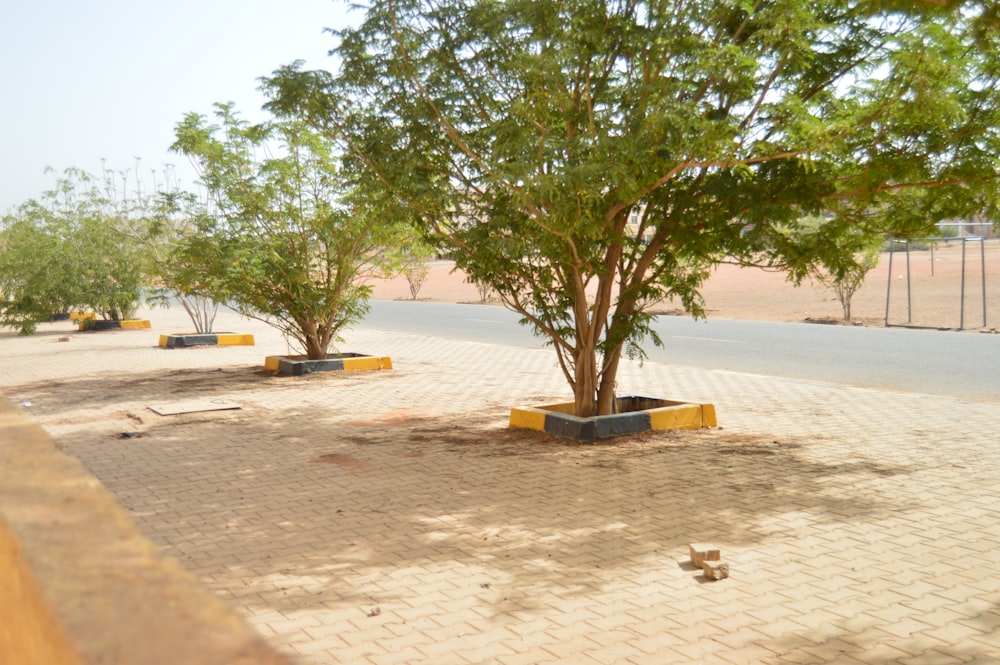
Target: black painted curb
[
  {"x": 186, "y": 340},
  {"x": 182, "y": 341},
  {"x": 339, "y": 362},
  {"x": 598, "y": 428},
  {"x": 90, "y": 324}
]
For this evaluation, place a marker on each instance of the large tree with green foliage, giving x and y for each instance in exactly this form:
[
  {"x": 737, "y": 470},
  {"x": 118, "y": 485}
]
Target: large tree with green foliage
[
  {"x": 73, "y": 248},
  {"x": 283, "y": 239},
  {"x": 588, "y": 158}
]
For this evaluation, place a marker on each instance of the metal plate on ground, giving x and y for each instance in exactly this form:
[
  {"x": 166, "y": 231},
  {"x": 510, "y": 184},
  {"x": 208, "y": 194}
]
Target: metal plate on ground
[{"x": 194, "y": 406}]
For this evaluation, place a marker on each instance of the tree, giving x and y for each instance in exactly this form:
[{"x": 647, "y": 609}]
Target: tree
[
  {"x": 283, "y": 240},
  {"x": 179, "y": 272},
  {"x": 69, "y": 250},
  {"x": 414, "y": 266},
  {"x": 589, "y": 158},
  {"x": 157, "y": 218},
  {"x": 846, "y": 280},
  {"x": 31, "y": 293},
  {"x": 843, "y": 269}
]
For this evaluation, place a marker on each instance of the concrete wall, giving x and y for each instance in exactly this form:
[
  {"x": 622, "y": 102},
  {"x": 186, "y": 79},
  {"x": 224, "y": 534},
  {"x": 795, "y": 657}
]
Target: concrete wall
[{"x": 80, "y": 585}]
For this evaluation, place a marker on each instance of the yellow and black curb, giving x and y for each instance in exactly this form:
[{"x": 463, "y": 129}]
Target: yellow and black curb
[
  {"x": 184, "y": 340},
  {"x": 339, "y": 362},
  {"x": 90, "y": 323},
  {"x": 635, "y": 414}
]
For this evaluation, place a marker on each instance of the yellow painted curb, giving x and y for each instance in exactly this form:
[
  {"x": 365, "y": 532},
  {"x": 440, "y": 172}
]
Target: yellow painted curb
[
  {"x": 348, "y": 364},
  {"x": 679, "y": 416},
  {"x": 80, "y": 316},
  {"x": 708, "y": 418},
  {"x": 366, "y": 363},
  {"x": 528, "y": 418},
  {"x": 135, "y": 324},
  {"x": 163, "y": 341},
  {"x": 272, "y": 363},
  {"x": 235, "y": 339}
]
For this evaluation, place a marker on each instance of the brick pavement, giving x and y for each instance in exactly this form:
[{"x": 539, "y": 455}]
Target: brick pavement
[{"x": 388, "y": 517}]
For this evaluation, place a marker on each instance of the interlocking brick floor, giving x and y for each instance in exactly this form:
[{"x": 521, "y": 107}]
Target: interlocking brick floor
[{"x": 388, "y": 517}]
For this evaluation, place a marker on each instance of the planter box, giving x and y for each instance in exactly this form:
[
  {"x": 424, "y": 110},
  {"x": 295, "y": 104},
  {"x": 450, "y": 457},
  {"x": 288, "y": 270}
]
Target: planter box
[
  {"x": 100, "y": 324},
  {"x": 183, "y": 340},
  {"x": 635, "y": 414},
  {"x": 335, "y": 362}
]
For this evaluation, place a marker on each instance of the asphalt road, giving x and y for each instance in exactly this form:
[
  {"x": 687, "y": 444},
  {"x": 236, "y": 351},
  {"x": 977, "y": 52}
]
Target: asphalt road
[{"x": 962, "y": 365}]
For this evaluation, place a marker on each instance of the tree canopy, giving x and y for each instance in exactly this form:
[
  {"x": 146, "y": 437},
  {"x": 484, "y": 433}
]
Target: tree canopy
[
  {"x": 281, "y": 238},
  {"x": 74, "y": 248},
  {"x": 589, "y": 158}
]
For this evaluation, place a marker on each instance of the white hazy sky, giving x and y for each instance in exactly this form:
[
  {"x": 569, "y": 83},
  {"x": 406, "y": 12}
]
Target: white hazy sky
[{"x": 82, "y": 81}]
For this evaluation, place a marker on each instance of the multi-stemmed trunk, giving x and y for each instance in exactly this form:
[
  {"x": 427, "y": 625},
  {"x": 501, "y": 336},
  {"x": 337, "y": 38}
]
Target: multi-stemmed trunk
[
  {"x": 316, "y": 339},
  {"x": 595, "y": 380}
]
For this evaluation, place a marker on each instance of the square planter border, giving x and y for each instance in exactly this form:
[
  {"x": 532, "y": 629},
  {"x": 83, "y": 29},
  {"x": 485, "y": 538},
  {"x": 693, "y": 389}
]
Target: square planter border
[
  {"x": 338, "y": 362},
  {"x": 185, "y": 340},
  {"x": 636, "y": 414}
]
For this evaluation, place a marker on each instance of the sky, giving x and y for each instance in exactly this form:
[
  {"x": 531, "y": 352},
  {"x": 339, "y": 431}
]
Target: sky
[{"x": 109, "y": 79}]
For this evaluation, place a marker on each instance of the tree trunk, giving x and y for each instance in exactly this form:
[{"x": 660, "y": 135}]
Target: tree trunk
[
  {"x": 844, "y": 295},
  {"x": 593, "y": 391},
  {"x": 585, "y": 383},
  {"x": 606, "y": 397},
  {"x": 315, "y": 349}
]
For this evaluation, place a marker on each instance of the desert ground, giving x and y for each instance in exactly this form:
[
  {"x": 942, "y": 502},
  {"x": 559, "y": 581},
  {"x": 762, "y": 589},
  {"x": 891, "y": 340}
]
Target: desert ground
[{"x": 734, "y": 292}]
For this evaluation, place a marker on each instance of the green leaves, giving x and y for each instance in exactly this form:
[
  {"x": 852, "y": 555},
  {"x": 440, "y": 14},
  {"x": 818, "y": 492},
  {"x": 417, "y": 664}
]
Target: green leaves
[
  {"x": 72, "y": 249},
  {"x": 285, "y": 237},
  {"x": 589, "y": 158}
]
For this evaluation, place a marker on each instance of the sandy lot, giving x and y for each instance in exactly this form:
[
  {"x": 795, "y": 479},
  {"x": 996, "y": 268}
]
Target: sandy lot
[{"x": 732, "y": 292}]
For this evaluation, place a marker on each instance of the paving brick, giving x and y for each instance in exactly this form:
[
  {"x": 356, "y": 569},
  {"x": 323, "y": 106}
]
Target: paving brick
[
  {"x": 956, "y": 633},
  {"x": 852, "y": 607},
  {"x": 747, "y": 655},
  {"x": 788, "y": 631},
  {"x": 704, "y": 651},
  {"x": 988, "y": 658},
  {"x": 533, "y": 657},
  {"x": 934, "y": 657},
  {"x": 802, "y": 657},
  {"x": 322, "y": 646},
  {"x": 838, "y": 651},
  {"x": 362, "y": 653},
  {"x": 715, "y": 570},
  {"x": 655, "y": 643},
  {"x": 867, "y": 638},
  {"x": 701, "y": 552}
]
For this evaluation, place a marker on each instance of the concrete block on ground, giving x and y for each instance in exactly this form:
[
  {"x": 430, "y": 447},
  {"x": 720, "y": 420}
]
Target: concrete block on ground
[
  {"x": 701, "y": 552},
  {"x": 715, "y": 570}
]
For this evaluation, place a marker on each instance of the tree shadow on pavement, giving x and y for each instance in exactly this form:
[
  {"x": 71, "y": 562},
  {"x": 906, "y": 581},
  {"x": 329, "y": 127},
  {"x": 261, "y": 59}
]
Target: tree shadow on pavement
[{"x": 370, "y": 518}]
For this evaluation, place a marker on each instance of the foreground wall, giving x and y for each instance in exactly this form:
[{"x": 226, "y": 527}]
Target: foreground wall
[{"x": 80, "y": 585}]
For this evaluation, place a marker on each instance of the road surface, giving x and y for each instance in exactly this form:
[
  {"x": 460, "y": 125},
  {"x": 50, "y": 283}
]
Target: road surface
[{"x": 962, "y": 365}]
